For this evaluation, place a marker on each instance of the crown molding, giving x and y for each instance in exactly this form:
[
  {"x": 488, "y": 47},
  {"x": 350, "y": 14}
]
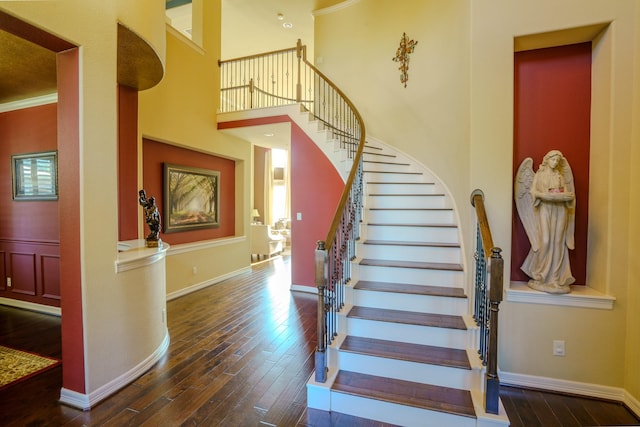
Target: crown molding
[
  {"x": 30, "y": 102},
  {"x": 336, "y": 7}
]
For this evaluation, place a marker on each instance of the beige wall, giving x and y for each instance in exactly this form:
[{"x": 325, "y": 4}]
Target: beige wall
[
  {"x": 596, "y": 339},
  {"x": 430, "y": 117},
  {"x": 181, "y": 110},
  {"x": 456, "y": 115},
  {"x": 115, "y": 313},
  {"x": 632, "y": 374}
]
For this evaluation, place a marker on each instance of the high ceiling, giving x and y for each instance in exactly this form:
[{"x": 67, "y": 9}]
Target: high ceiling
[{"x": 28, "y": 70}]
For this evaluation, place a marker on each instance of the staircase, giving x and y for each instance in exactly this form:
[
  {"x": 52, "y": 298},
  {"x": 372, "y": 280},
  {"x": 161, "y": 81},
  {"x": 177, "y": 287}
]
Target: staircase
[{"x": 406, "y": 349}]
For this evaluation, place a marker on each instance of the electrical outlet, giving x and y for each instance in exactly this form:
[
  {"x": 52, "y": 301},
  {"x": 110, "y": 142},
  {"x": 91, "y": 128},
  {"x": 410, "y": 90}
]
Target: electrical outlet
[
  {"x": 299, "y": 216},
  {"x": 194, "y": 270},
  {"x": 558, "y": 348},
  {"x": 8, "y": 282}
]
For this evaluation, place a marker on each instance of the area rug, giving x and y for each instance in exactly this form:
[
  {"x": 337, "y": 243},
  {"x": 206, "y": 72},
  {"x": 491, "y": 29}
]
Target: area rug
[{"x": 17, "y": 365}]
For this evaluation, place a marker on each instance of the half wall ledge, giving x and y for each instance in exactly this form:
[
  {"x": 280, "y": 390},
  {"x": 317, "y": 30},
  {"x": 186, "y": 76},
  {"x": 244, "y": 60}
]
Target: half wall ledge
[
  {"x": 134, "y": 254},
  {"x": 580, "y": 296}
]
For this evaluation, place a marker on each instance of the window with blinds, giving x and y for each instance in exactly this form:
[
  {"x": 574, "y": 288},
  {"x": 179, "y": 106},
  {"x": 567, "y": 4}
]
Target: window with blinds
[{"x": 35, "y": 176}]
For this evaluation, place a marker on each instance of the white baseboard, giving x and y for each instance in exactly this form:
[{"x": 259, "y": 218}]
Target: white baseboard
[
  {"x": 40, "y": 308},
  {"x": 302, "y": 288},
  {"x": 208, "y": 282},
  {"x": 571, "y": 387},
  {"x": 86, "y": 401}
]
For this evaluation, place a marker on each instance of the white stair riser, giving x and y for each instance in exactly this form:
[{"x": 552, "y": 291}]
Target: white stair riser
[
  {"x": 408, "y": 202},
  {"x": 392, "y": 177},
  {"x": 404, "y": 188},
  {"x": 396, "y": 216},
  {"x": 381, "y": 165},
  {"x": 411, "y": 275},
  {"x": 410, "y": 253},
  {"x": 443, "y": 376},
  {"x": 412, "y": 234},
  {"x": 417, "y": 334},
  {"x": 409, "y": 302},
  {"x": 392, "y": 413}
]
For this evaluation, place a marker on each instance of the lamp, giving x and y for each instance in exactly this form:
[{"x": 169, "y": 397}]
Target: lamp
[{"x": 255, "y": 214}]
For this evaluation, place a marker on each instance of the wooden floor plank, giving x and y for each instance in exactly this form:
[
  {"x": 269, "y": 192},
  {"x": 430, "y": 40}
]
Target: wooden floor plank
[{"x": 219, "y": 338}]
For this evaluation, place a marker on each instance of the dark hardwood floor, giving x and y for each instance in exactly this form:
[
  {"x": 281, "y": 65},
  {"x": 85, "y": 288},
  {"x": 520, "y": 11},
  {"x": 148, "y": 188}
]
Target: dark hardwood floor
[{"x": 241, "y": 352}]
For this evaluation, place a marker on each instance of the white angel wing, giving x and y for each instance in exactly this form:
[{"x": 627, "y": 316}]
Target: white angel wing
[
  {"x": 524, "y": 200},
  {"x": 569, "y": 185}
]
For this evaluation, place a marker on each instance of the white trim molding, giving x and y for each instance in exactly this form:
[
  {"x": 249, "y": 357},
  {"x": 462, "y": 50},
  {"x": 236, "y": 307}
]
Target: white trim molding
[
  {"x": 203, "y": 244},
  {"x": 580, "y": 296},
  {"x": 336, "y": 7},
  {"x": 571, "y": 387},
  {"x": 28, "y": 103},
  {"x": 40, "y": 308},
  {"x": 303, "y": 288},
  {"x": 86, "y": 401}
]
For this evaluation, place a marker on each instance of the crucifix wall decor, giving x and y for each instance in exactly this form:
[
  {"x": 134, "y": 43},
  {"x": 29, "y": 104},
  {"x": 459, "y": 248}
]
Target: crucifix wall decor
[{"x": 402, "y": 56}]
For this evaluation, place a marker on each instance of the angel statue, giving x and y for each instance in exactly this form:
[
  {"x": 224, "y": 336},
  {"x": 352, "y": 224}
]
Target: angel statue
[{"x": 546, "y": 204}]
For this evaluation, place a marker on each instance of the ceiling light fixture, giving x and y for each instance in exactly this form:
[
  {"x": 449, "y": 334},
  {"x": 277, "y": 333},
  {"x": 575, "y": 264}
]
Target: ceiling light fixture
[
  {"x": 280, "y": 16},
  {"x": 287, "y": 25},
  {"x": 268, "y": 134}
]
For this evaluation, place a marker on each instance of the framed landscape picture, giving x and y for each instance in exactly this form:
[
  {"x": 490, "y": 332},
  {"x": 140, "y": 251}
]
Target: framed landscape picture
[{"x": 191, "y": 198}]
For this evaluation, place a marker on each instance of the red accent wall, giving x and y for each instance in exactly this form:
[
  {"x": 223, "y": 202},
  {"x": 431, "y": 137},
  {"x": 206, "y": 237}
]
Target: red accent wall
[
  {"x": 26, "y": 131},
  {"x": 552, "y": 107},
  {"x": 155, "y": 154},
  {"x": 29, "y": 230},
  {"x": 73, "y": 377},
  {"x": 127, "y": 163},
  {"x": 316, "y": 188}
]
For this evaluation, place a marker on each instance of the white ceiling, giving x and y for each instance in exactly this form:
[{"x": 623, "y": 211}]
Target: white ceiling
[{"x": 252, "y": 26}]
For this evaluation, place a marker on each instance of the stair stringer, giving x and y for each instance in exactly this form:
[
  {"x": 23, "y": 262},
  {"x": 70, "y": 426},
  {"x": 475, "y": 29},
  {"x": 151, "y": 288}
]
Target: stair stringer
[{"x": 321, "y": 396}]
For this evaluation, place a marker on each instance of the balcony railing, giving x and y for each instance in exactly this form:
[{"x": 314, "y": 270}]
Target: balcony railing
[
  {"x": 489, "y": 273},
  {"x": 285, "y": 77}
]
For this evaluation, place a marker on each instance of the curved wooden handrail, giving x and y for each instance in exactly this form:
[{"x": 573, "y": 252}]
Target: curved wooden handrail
[
  {"x": 477, "y": 201},
  {"x": 356, "y": 160}
]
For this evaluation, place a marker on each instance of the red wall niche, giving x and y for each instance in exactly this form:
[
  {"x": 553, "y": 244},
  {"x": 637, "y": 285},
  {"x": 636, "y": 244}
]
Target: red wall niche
[
  {"x": 552, "y": 110},
  {"x": 155, "y": 154}
]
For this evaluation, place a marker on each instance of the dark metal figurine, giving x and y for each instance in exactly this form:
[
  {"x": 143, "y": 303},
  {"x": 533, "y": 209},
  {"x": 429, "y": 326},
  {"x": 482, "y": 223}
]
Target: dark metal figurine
[{"x": 152, "y": 216}]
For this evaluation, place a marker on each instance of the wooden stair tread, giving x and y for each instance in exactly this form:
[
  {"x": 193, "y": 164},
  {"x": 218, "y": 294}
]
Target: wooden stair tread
[
  {"x": 419, "y": 353},
  {"x": 411, "y": 264},
  {"x": 401, "y": 183},
  {"x": 407, "y": 317},
  {"x": 410, "y": 209},
  {"x": 407, "y": 194},
  {"x": 405, "y": 288},
  {"x": 426, "y": 396},
  {"x": 390, "y": 224},
  {"x": 395, "y": 172},
  {"x": 405, "y": 243},
  {"x": 386, "y": 163}
]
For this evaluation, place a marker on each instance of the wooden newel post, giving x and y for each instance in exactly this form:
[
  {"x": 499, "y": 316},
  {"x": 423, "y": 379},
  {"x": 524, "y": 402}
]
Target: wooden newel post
[
  {"x": 492, "y": 395},
  {"x": 299, "y": 55},
  {"x": 321, "y": 281}
]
